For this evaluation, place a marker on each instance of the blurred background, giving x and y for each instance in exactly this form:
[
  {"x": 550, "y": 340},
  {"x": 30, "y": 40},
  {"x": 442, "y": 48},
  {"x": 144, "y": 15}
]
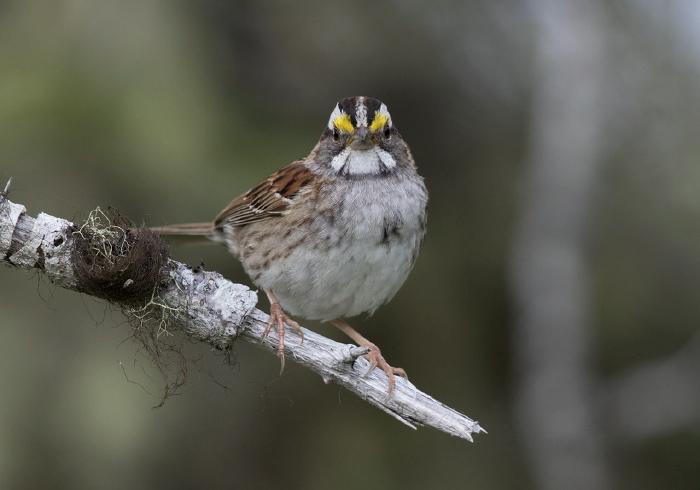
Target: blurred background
[{"x": 555, "y": 300}]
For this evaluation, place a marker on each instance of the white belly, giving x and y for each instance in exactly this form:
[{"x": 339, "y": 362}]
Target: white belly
[
  {"x": 345, "y": 281},
  {"x": 357, "y": 263}
]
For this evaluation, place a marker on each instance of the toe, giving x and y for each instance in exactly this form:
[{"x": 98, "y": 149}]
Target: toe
[
  {"x": 376, "y": 359},
  {"x": 278, "y": 319},
  {"x": 280, "y": 345},
  {"x": 270, "y": 323},
  {"x": 295, "y": 326}
]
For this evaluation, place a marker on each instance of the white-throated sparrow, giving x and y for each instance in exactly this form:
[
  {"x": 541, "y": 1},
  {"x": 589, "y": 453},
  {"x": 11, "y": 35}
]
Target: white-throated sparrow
[{"x": 334, "y": 234}]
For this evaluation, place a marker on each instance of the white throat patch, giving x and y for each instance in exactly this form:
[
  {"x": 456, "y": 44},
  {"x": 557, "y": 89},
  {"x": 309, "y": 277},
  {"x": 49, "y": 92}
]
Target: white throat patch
[{"x": 363, "y": 162}]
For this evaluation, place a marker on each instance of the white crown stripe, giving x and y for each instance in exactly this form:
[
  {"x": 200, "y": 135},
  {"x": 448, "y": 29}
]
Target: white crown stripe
[
  {"x": 361, "y": 116},
  {"x": 361, "y": 112}
]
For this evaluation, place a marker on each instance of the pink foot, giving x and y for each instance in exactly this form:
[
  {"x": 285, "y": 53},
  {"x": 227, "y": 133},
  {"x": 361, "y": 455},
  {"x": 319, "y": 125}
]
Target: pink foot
[
  {"x": 376, "y": 359},
  {"x": 278, "y": 317}
]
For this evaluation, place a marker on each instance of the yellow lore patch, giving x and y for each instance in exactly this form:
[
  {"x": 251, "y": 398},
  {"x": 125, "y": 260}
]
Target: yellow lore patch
[
  {"x": 379, "y": 121},
  {"x": 343, "y": 123}
]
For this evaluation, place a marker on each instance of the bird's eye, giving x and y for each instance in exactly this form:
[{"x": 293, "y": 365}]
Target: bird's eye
[
  {"x": 336, "y": 135},
  {"x": 387, "y": 132}
]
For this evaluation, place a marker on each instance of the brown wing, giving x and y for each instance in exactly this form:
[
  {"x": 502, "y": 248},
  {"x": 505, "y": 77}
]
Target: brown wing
[{"x": 269, "y": 199}]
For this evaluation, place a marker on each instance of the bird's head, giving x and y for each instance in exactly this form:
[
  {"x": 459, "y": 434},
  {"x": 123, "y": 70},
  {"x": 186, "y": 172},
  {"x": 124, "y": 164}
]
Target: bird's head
[{"x": 360, "y": 139}]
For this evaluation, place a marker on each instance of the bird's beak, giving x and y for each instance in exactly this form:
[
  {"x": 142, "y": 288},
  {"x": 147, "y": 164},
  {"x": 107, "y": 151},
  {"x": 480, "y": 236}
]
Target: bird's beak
[{"x": 361, "y": 139}]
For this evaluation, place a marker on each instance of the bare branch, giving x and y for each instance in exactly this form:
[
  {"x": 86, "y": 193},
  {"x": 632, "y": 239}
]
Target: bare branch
[{"x": 211, "y": 309}]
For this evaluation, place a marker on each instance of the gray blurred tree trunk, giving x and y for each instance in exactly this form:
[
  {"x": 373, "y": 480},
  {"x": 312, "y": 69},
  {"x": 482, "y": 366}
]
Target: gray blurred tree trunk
[{"x": 552, "y": 327}]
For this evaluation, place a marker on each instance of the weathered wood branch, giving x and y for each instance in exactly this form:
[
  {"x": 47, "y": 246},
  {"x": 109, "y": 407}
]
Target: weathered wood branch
[{"x": 211, "y": 309}]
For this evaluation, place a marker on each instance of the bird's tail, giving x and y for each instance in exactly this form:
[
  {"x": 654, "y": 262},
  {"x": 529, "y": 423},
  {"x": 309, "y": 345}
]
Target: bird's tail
[
  {"x": 186, "y": 232},
  {"x": 186, "y": 229}
]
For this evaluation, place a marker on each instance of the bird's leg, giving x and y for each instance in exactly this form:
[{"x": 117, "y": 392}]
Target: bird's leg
[
  {"x": 375, "y": 357},
  {"x": 278, "y": 317}
]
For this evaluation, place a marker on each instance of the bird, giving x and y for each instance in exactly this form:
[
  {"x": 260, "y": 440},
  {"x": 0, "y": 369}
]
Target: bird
[{"x": 334, "y": 234}]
